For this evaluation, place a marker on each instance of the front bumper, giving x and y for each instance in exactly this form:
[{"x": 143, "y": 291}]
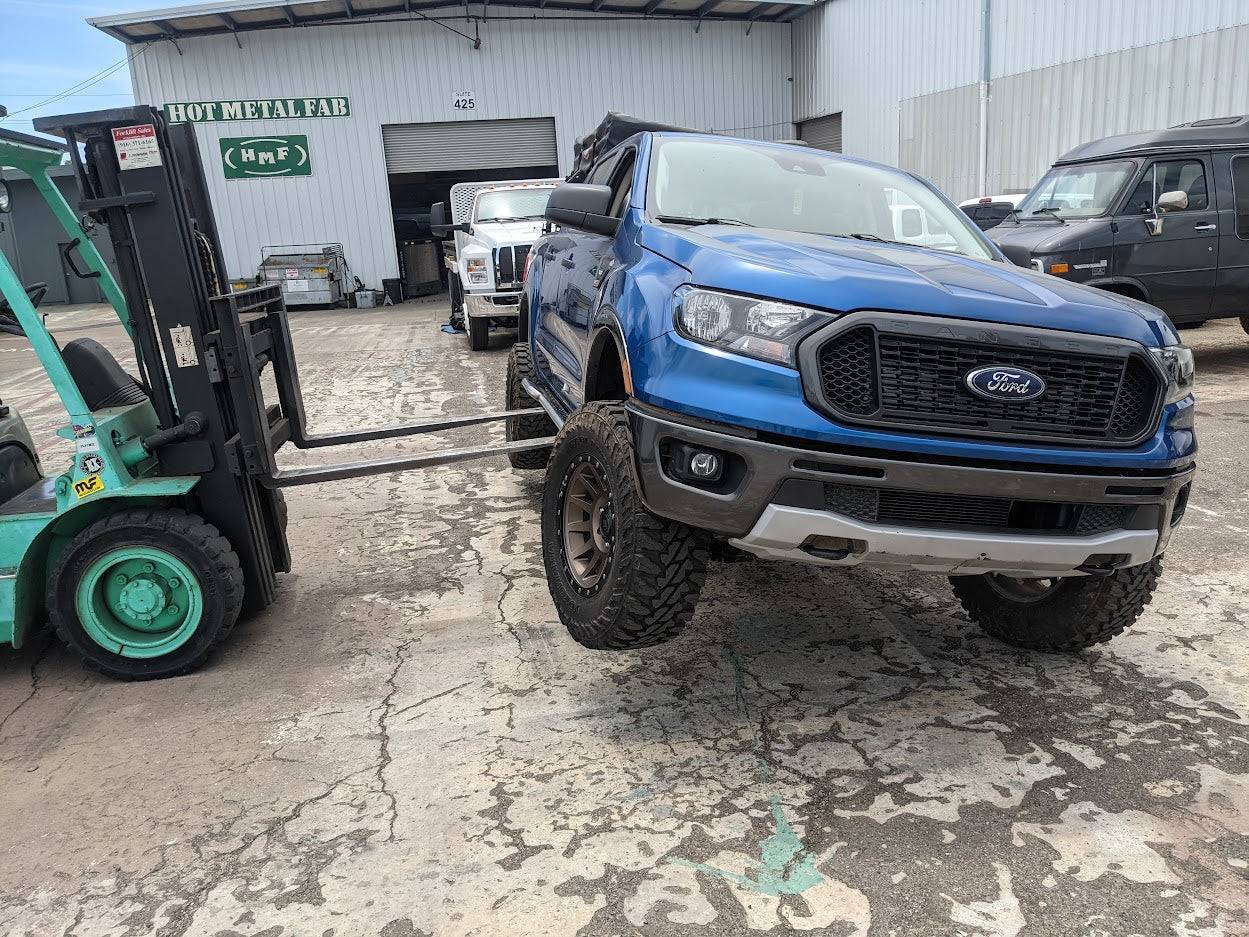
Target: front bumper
[
  {"x": 478, "y": 305},
  {"x": 777, "y": 500}
]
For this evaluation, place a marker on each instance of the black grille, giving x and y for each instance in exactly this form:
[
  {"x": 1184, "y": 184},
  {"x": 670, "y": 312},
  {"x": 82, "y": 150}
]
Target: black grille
[
  {"x": 509, "y": 264},
  {"x": 937, "y": 510},
  {"x": 884, "y": 377}
]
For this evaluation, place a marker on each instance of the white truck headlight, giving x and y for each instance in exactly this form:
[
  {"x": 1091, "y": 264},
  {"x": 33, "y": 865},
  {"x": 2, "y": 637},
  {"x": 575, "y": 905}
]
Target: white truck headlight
[
  {"x": 757, "y": 328},
  {"x": 1177, "y": 363},
  {"x": 478, "y": 271}
]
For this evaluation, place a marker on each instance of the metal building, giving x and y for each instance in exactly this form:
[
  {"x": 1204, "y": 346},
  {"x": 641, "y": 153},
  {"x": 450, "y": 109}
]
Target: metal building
[
  {"x": 393, "y": 103},
  {"x": 342, "y": 120}
]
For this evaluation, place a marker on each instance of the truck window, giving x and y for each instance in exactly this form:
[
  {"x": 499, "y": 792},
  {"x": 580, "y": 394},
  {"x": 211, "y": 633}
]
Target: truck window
[
  {"x": 1085, "y": 190},
  {"x": 1240, "y": 189},
  {"x": 622, "y": 184},
  {"x": 1184, "y": 175}
]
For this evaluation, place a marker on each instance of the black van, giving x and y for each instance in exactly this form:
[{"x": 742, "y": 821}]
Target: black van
[{"x": 1161, "y": 216}]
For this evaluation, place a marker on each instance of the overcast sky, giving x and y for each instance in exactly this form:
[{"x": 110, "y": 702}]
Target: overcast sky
[{"x": 48, "y": 47}]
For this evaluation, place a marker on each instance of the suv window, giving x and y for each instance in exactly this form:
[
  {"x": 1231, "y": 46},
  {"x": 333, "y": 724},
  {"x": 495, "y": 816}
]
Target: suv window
[
  {"x": 601, "y": 174},
  {"x": 1240, "y": 189},
  {"x": 1186, "y": 175}
]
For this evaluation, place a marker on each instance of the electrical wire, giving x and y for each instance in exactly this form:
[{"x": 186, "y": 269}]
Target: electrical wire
[{"x": 79, "y": 86}]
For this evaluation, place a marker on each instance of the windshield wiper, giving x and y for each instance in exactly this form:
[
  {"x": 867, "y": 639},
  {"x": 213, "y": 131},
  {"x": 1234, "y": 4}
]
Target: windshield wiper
[
  {"x": 1051, "y": 211},
  {"x": 677, "y": 219},
  {"x": 860, "y": 236}
]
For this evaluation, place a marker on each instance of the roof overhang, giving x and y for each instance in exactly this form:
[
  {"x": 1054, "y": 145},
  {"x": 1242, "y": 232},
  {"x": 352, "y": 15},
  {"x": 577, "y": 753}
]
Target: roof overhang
[{"x": 237, "y": 16}]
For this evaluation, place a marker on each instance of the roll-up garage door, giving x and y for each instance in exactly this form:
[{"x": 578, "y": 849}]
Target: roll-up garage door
[
  {"x": 823, "y": 132},
  {"x": 469, "y": 144}
]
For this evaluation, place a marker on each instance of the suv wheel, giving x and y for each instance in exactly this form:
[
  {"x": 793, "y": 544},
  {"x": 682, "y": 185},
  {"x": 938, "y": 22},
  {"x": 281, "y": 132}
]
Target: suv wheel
[
  {"x": 478, "y": 332},
  {"x": 520, "y": 367},
  {"x": 1058, "y": 614},
  {"x": 620, "y": 576}
]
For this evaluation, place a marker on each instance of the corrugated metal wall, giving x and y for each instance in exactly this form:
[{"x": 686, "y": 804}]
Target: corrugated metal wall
[
  {"x": 718, "y": 78},
  {"x": 905, "y": 75}
]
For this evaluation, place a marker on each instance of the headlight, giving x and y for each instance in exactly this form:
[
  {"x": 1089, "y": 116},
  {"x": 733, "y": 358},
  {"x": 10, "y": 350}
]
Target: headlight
[
  {"x": 1177, "y": 362},
  {"x": 759, "y": 328},
  {"x": 477, "y": 270}
]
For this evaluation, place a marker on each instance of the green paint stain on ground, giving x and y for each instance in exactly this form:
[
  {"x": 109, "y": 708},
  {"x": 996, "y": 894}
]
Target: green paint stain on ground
[{"x": 787, "y": 868}]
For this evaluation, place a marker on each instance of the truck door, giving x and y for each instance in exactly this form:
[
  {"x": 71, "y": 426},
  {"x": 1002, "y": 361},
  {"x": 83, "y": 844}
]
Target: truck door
[
  {"x": 1177, "y": 267},
  {"x": 1231, "y": 292},
  {"x": 560, "y": 337}
]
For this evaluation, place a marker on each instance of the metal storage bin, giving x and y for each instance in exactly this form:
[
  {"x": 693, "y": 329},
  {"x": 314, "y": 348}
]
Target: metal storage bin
[{"x": 309, "y": 274}]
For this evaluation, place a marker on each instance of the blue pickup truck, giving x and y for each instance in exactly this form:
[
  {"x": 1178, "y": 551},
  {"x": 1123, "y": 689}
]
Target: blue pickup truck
[{"x": 754, "y": 343}]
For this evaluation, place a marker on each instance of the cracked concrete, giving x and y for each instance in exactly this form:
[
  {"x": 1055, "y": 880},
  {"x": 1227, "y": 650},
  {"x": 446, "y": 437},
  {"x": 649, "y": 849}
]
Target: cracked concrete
[{"x": 407, "y": 743}]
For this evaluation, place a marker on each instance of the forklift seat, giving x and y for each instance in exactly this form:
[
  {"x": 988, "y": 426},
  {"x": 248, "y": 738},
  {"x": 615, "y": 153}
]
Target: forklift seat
[{"x": 99, "y": 377}]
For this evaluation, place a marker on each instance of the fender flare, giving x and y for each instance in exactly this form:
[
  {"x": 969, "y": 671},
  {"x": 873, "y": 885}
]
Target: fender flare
[
  {"x": 606, "y": 328},
  {"x": 1105, "y": 283}
]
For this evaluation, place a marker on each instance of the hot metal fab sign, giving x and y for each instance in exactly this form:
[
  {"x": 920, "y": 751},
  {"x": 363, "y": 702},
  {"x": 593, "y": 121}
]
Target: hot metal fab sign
[
  {"x": 205, "y": 112},
  {"x": 265, "y": 157}
]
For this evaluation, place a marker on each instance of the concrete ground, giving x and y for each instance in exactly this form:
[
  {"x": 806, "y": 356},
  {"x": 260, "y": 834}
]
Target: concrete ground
[{"x": 409, "y": 743}]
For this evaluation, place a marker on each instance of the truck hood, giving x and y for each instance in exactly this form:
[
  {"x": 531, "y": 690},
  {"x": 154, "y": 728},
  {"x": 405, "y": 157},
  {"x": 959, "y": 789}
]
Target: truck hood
[
  {"x": 504, "y": 233},
  {"x": 1020, "y": 242},
  {"x": 843, "y": 275}
]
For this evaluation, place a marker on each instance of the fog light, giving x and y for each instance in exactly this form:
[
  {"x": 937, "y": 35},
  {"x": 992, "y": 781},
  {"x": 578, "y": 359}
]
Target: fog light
[{"x": 705, "y": 465}]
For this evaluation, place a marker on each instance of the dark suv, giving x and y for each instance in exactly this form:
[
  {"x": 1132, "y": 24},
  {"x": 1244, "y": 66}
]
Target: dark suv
[{"x": 1161, "y": 216}]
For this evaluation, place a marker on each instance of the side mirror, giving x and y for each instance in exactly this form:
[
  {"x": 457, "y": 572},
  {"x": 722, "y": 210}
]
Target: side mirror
[
  {"x": 1175, "y": 200},
  {"x": 578, "y": 205},
  {"x": 438, "y": 220},
  {"x": 6, "y": 202}
]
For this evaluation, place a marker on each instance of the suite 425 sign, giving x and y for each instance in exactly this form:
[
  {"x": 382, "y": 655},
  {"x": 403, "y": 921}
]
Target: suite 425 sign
[{"x": 265, "y": 157}]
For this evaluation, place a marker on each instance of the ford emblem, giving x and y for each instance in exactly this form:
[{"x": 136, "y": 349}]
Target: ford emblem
[{"x": 1000, "y": 382}]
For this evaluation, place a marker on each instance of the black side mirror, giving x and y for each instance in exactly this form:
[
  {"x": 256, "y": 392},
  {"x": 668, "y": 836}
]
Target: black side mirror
[
  {"x": 578, "y": 205},
  {"x": 438, "y": 220}
]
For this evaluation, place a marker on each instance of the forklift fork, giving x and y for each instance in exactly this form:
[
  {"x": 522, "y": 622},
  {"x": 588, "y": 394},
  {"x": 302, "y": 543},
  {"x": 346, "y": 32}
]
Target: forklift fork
[{"x": 253, "y": 333}]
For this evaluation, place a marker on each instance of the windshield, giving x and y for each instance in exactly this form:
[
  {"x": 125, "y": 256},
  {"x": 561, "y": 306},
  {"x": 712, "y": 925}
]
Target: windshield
[
  {"x": 511, "y": 204},
  {"x": 792, "y": 189},
  {"x": 1076, "y": 191}
]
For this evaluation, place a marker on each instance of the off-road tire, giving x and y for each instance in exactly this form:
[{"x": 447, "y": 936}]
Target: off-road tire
[
  {"x": 1081, "y": 612},
  {"x": 478, "y": 332},
  {"x": 1244, "y": 324},
  {"x": 657, "y": 567},
  {"x": 189, "y": 537},
  {"x": 520, "y": 367}
]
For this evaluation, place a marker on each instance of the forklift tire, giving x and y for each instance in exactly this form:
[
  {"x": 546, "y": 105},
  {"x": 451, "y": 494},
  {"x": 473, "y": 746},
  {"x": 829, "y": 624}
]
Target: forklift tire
[
  {"x": 478, "y": 332},
  {"x": 1068, "y": 614},
  {"x": 145, "y": 594},
  {"x": 520, "y": 367},
  {"x": 1244, "y": 324},
  {"x": 11, "y": 326},
  {"x": 620, "y": 576}
]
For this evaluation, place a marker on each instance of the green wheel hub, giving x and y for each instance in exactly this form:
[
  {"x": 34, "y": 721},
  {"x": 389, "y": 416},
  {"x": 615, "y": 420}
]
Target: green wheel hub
[{"x": 140, "y": 602}]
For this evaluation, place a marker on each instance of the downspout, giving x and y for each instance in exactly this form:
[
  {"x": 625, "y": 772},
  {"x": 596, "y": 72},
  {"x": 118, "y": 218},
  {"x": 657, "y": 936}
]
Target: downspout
[{"x": 982, "y": 175}]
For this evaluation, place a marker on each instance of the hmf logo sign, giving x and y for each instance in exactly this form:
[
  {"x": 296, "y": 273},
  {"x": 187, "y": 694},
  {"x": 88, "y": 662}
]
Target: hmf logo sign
[{"x": 265, "y": 157}]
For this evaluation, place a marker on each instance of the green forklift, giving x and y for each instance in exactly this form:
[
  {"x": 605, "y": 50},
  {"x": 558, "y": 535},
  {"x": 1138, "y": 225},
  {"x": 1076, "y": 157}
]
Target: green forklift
[{"x": 169, "y": 522}]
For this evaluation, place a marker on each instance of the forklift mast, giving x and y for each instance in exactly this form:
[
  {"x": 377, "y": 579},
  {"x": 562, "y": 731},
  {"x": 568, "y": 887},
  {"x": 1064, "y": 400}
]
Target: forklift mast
[{"x": 202, "y": 351}]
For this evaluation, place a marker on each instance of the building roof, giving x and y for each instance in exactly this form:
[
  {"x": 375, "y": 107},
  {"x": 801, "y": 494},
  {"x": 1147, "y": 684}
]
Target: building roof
[
  {"x": 1213, "y": 132},
  {"x": 237, "y": 16}
]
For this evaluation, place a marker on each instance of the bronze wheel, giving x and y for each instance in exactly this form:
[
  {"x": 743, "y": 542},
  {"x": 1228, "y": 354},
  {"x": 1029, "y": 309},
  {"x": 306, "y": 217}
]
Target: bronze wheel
[{"x": 588, "y": 524}]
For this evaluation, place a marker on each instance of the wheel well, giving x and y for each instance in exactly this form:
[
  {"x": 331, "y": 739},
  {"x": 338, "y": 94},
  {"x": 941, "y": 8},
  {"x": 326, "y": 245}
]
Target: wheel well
[
  {"x": 1131, "y": 290},
  {"x": 604, "y": 370}
]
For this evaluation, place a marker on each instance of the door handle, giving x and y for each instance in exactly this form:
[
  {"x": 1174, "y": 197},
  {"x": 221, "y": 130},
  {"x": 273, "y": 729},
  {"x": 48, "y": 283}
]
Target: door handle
[
  {"x": 1205, "y": 227},
  {"x": 568, "y": 263}
]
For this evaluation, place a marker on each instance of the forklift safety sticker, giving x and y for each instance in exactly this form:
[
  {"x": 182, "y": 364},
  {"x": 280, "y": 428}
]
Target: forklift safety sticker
[
  {"x": 92, "y": 464},
  {"x": 88, "y": 486},
  {"x": 136, "y": 147},
  {"x": 184, "y": 346}
]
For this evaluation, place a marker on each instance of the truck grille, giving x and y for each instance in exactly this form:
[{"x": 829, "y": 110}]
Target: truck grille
[
  {"x": 509, "y": 265},
  {"x": 871, "y": 375},
  {"x": 926, "y": 509}
]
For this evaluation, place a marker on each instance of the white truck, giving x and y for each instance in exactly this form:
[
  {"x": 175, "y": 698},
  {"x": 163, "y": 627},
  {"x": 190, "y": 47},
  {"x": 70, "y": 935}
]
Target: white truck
[{"x": 494, "y": 224}]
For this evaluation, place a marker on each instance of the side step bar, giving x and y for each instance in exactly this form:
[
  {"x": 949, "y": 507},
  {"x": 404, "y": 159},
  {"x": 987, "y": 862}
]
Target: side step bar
[
  {"x": 288, "y": 478},
  {"x": 546, "y": 404}
]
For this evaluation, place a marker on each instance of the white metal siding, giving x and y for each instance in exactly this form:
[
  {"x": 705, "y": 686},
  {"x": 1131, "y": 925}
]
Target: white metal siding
[
  {"x": 469, "y": 144},
  {"x": 575, "y": 70},
  {"x": 822, "y": 132}
]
